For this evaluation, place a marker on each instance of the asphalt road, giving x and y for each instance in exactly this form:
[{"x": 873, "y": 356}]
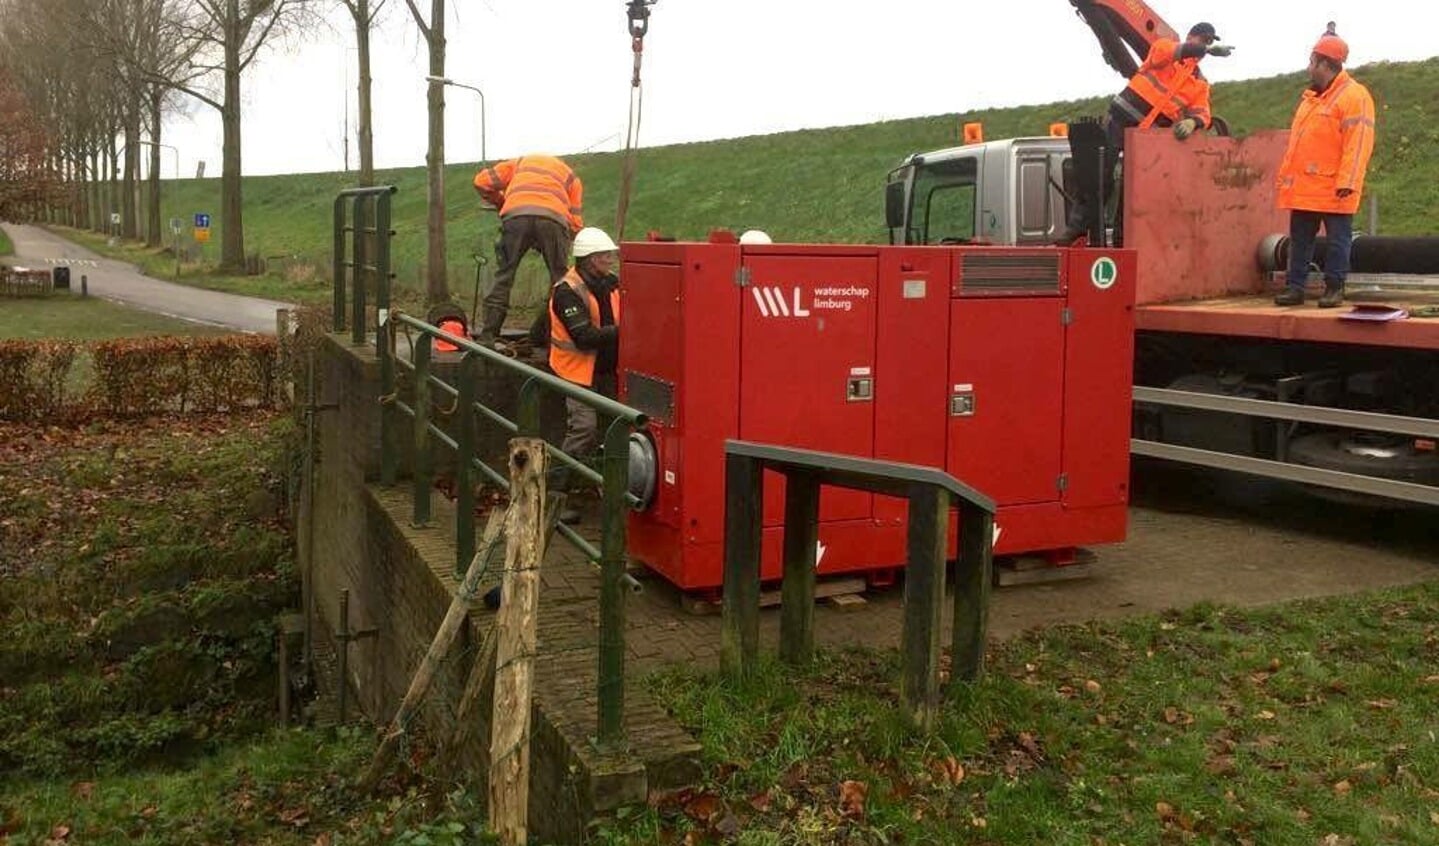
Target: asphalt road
[{"x": 121, "y": 282}]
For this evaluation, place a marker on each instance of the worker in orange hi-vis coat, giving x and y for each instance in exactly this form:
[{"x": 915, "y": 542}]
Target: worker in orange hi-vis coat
[
  {"x": 540, "y": 202},
  {"x": 1322, "y": 175}
]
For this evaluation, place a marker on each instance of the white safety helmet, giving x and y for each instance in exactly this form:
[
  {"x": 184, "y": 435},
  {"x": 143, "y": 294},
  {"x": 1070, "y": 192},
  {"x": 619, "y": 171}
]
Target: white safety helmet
[
  {"x": 591, "y": 240},
  {"x": 754, "y": 236}
]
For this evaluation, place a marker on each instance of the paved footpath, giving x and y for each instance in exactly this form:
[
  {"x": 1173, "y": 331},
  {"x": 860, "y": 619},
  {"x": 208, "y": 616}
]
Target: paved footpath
[{"x": 121, "y": 282}]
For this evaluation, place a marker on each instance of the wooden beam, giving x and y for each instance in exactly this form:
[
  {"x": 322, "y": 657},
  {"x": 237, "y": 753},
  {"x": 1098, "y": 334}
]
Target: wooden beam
[
  {"x": 801, "y": 538},
  {"x": 517, "y": 626},
  {"x": 923, "y": 603},
  {"x": 973, "y": 575},
  {"x": 744, "y": 511}
]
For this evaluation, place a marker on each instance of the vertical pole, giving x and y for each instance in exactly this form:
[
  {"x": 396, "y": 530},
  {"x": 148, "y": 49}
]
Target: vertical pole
[
  {"x": 527, "y": 411},
  {"x": 337, "y": 266},
  {"x": 612, "y": 584},
  {"x": 421, "y": 458},
  {"x": 972, "y": 578},
  {"x": 283, "y": 660},
  {"x": 515, "y": 626},
  {"x": 307, "y": 571},
  {"x": 744, "y": 507},
  {"x": 801, "y": 539},
  {"x": 465, "y": 464},
  {"x": 1100, "y": 235},
  {"x": 361, "y": 259},
  {"x": 1373, "y": 214},
  {"x": 923, "y": 603},
  {"x": 389, "y": 427},
  {"x": 342, "y": 687},
  {"x": 382, "y": 252}
]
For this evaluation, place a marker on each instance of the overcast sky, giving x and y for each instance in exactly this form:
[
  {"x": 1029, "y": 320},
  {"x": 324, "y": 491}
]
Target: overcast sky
[{"x": 556, "y": 72}]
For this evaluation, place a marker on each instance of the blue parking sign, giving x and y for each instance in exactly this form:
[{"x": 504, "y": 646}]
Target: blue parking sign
[{"x": 202, "y": 220}]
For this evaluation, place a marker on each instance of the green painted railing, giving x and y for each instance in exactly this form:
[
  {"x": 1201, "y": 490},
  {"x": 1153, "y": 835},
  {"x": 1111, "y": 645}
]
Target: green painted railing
[{"x": 468, "y": 413}]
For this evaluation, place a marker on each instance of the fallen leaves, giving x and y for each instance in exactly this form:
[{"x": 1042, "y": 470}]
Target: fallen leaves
[
  {"x": 852, "y": 796},
  {"x": 948, "y": 771},
  {"x": 1342, "y": 787}
]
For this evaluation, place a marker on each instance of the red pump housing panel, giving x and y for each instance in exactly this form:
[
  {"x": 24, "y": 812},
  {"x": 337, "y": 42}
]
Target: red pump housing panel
[{"x": 1007, "y": 367}]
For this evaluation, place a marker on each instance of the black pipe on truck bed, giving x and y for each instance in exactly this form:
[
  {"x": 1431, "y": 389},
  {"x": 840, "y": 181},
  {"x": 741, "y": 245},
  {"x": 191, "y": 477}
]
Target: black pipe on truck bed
[{"x": 1371, "y": 254}]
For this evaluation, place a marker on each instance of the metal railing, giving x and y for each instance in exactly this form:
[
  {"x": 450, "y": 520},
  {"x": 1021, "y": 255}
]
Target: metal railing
[
  {"x": 468, "y": 412},
  {"x": 366, "y": 235},
  {"x": 1291, "y": 413},
  {"x": 931, "y": 494}
]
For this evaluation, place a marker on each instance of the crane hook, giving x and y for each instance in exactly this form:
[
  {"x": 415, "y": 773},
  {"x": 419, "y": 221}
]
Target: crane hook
[{"x": 639, "y": 17}]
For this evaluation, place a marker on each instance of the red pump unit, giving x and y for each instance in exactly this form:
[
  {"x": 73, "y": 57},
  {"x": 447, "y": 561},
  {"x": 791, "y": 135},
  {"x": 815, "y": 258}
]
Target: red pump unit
[{"x": 1010, "y": 368}]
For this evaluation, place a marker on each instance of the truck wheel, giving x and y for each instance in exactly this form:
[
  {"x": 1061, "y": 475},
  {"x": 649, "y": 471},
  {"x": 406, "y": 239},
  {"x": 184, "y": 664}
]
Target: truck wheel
[{"x": 1367, "y": 454}]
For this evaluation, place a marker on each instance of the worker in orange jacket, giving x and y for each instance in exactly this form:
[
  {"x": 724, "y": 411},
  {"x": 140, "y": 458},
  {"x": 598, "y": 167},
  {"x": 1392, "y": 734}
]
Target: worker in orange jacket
[
  {"x": 1167, "y": 90},
  {"x": 584, "y": 341},
  {"x": 540, "y": 202},
  {"x": 1322, "y": 174}
]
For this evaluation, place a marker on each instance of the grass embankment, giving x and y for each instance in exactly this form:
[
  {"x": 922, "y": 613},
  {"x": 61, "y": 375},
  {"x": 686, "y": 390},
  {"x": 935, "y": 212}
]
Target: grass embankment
[
  {"x": 6, "y": 248},
  {"x": 73, "y": 318},
  {"x": 1304, "y": 723},
  {"x": 811, "y": 185}
]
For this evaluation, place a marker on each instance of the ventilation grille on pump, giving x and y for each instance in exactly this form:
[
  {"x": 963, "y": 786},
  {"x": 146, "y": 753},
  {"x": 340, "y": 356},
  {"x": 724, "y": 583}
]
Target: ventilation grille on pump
[
  {"x": 648, "y": 394},
  {"x": 983, "y": 274}
]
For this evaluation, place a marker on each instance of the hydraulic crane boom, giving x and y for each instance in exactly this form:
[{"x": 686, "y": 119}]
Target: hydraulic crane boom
[{"x": 1126, "y": 29}]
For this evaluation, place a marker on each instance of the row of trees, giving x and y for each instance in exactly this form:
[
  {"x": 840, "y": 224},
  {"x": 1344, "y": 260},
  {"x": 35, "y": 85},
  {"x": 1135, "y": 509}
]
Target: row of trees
[{"x": 100, "y": 76}]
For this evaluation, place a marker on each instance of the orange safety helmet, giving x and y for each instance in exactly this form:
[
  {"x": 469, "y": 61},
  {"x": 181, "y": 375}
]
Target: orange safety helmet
[
  {"x": 453, "y": 326},
  {"x": 1331, "y": 46}
]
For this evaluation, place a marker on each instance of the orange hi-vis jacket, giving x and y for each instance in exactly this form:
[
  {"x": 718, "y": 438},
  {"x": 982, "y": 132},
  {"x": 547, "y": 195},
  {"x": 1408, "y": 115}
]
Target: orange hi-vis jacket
[
  {"x": 567, "y": 360},
  {"x": 1330, "y": 142},
  {"x": 534, "y": 185},
  {"x": 1173, "y": 87}
]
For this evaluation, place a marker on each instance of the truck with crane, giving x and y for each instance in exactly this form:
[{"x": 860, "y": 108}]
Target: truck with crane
[{"x": 1343, "y": 401}]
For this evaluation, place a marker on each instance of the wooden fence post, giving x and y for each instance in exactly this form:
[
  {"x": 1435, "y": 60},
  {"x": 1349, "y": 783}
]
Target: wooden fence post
[
  {"x": 801, "y": 538},
  {"x": 514, "y": 658},
  {"x": 923, "y": 603},
  {"x": 744, "y": 509},
  {"x": 973, "y": 573}
]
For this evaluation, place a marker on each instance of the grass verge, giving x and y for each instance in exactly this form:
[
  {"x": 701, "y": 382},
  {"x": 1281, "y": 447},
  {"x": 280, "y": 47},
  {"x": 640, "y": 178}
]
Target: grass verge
[
  {"x": 91, "y": 318},
  {"x": 6, "y": 248},
  {"x": 1303, "y": 723}
]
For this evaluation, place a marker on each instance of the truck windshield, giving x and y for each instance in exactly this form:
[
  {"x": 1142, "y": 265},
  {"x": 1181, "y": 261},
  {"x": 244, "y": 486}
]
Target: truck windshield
[{"x": 943, "y": 202}]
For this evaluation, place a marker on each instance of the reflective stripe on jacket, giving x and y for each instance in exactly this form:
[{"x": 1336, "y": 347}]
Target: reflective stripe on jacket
[
  {"x": 567, "y": 360},
  {"x": 1330, "y": 142},
  {"x": 535, "y": 185},
  {"x": 1173, "y": 87}
]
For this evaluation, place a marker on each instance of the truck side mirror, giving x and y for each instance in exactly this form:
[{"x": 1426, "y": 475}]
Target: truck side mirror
[{"x": 894, "y": 205}]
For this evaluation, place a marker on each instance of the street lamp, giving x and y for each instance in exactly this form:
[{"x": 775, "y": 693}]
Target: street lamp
[
  {"x": 169, "y": 147},
  {"x": 442, "y": 80}
]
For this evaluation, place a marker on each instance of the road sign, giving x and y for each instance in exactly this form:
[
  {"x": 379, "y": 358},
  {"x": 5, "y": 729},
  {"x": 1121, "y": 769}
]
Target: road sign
[
  {"x": 202, "y": 220},
  {"x": 174, "y": 226},
  {"x": 202, "y": 235},
  {"x": 1103, "y": 273},
  {"x": 115, "y": 218}
]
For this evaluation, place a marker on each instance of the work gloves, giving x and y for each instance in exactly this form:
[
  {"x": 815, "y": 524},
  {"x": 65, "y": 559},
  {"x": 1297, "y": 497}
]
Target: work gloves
[
  {"x": 1220, "y": 50},
  {"x": 1185, "y": 128}
]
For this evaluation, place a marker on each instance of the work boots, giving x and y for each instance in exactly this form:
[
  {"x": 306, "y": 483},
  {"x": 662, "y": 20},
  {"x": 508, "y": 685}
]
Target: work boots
[
  {"x": 1290, "y": 296},
  {"x": 1333, "y": 295}
]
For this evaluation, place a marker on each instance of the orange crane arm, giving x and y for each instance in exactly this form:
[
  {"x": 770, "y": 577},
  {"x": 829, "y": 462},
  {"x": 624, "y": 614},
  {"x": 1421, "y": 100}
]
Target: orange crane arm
[{"x": 1126, "y": 29}]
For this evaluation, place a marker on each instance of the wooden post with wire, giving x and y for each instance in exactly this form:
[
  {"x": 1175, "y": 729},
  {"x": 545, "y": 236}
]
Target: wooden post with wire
[{"x": 516, "y": 629}]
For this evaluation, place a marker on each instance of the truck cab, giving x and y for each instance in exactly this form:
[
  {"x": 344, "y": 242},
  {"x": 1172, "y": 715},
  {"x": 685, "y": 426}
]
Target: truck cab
[{"x": 1008, "y": 192}]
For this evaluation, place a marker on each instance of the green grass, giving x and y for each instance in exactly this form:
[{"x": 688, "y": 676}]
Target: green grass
[
  {"x": 6, "y": 248},
  {"x": 811, "y": 185},
  {"x": 73, "y": 318},
  {"x": 1282, "y": 725}
]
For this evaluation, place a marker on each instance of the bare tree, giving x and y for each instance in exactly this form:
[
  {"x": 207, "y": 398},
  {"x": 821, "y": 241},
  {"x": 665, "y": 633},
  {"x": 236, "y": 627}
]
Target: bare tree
[
  {"x": 437, "y": 286},
  {"x": 364, "y": 14},
  {"x": 223, "y": 37}
]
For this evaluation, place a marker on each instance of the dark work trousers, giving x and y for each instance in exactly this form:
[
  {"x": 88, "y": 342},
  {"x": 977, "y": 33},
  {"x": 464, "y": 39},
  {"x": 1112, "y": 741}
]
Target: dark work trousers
[
  {"x": 1339, "y": 237},
  {"x": 519, "y": 235},
  {"x": 582, "y": 427}
]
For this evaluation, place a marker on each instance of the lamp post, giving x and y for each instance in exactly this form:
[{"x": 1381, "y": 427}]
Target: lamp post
[{"x": 443, "y": 80}]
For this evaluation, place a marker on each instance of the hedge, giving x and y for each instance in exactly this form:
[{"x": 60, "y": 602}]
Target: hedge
[{"x": 135, "y": 377}]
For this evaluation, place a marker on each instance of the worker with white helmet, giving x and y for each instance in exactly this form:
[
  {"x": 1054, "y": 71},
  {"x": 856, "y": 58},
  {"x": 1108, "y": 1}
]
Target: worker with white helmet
[
  {"x": 755, "y": 236},
  {"x": 584, "y": 339}
]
